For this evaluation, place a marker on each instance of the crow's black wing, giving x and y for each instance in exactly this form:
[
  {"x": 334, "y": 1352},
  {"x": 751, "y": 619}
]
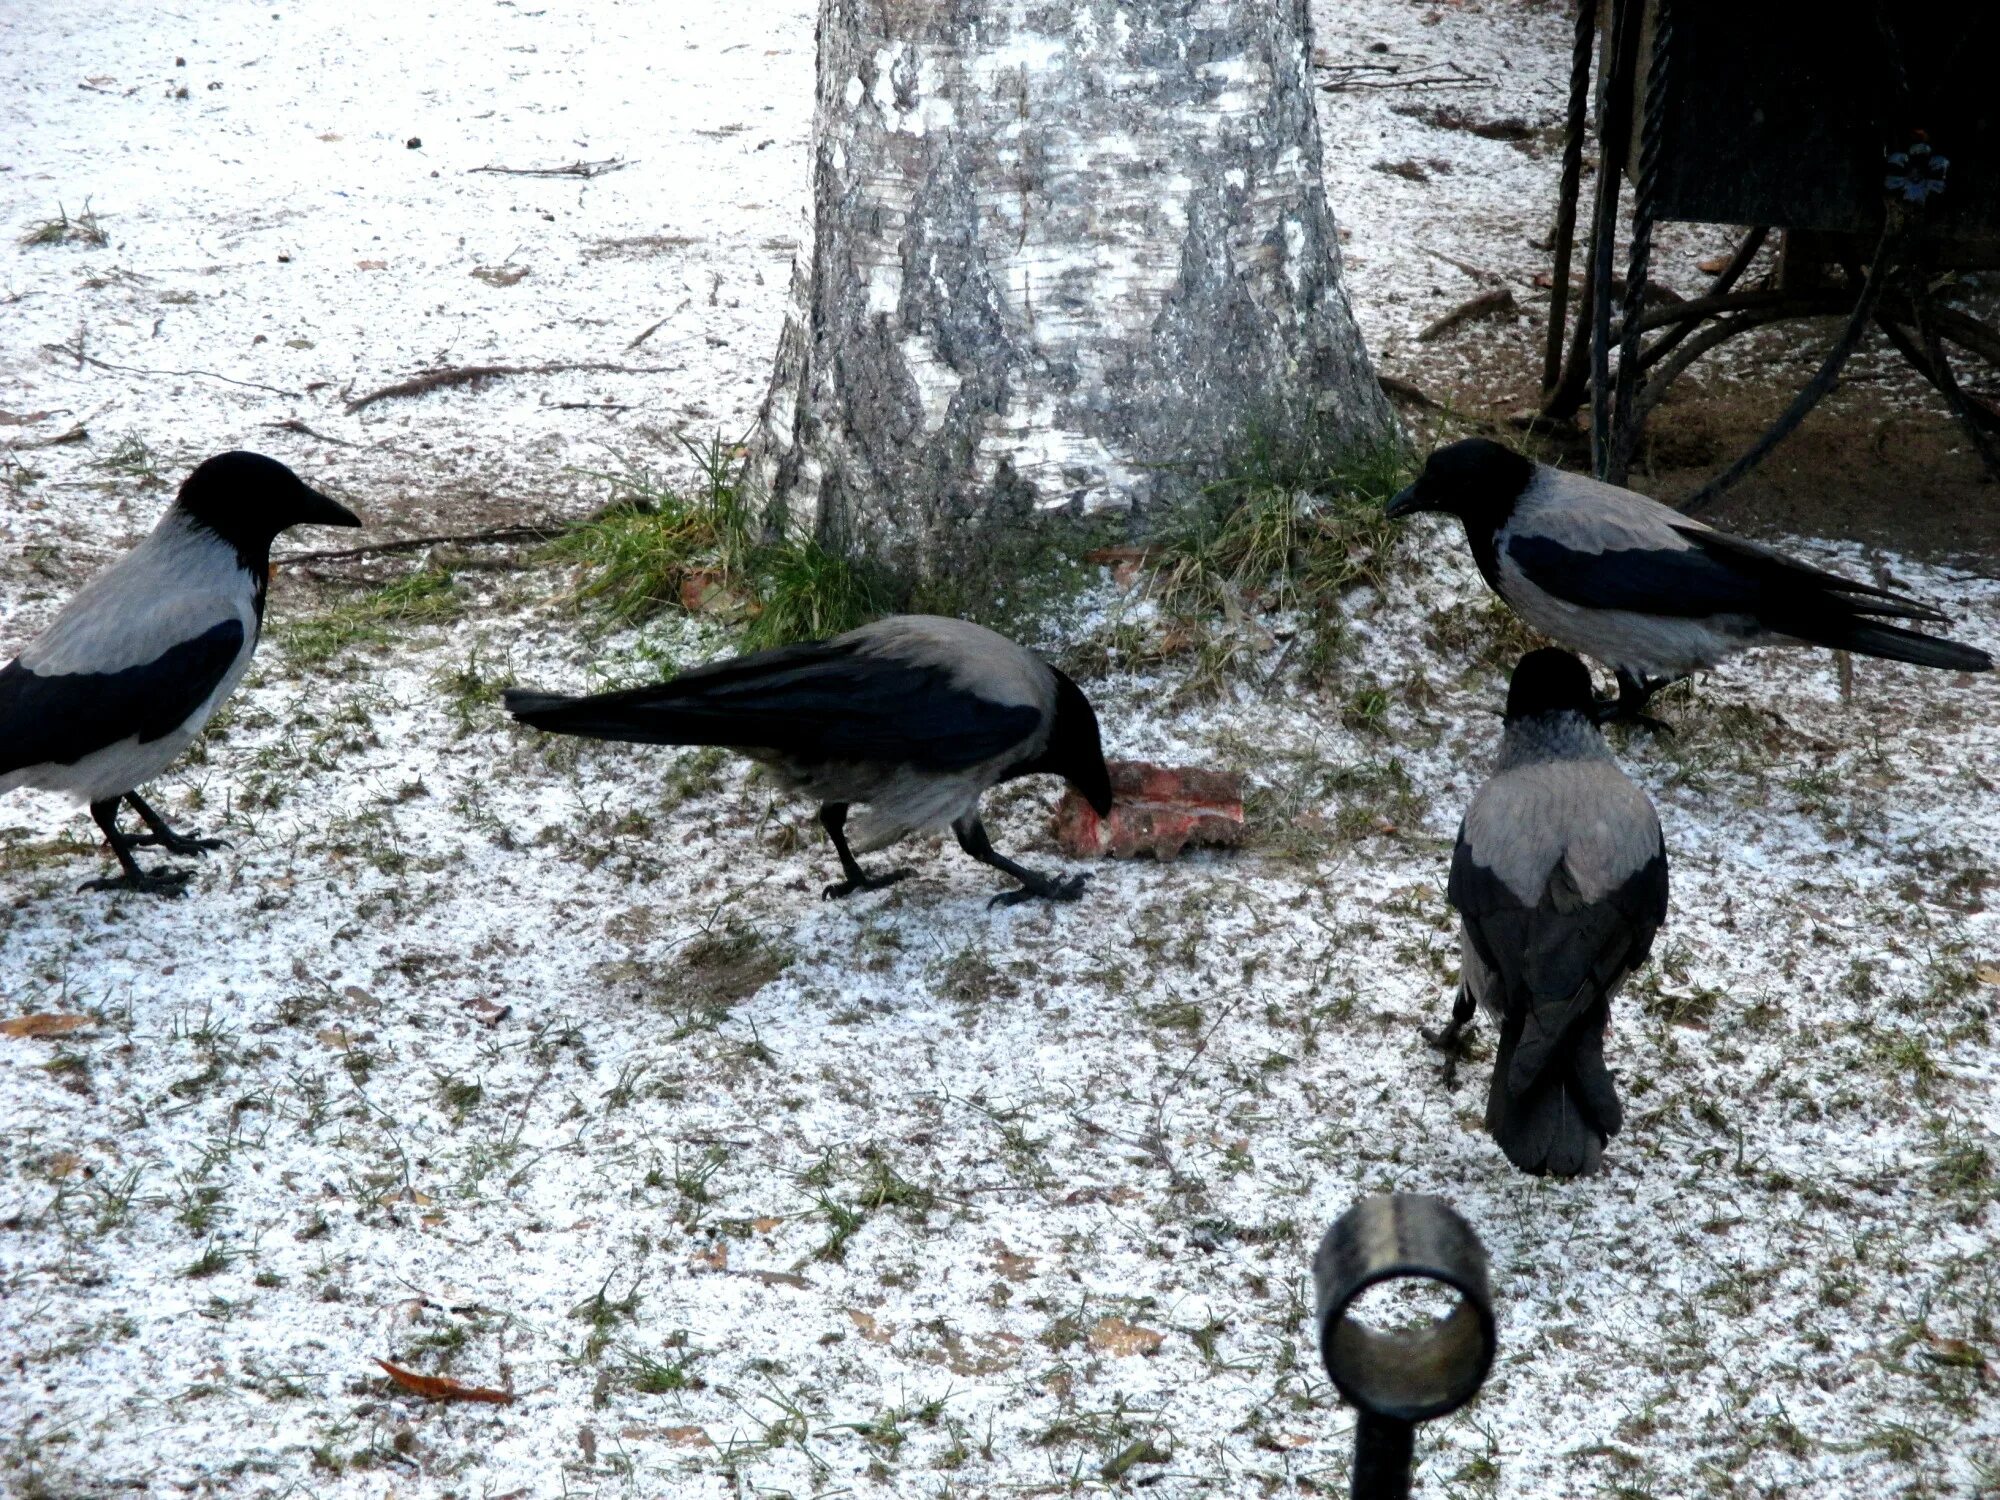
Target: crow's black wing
[
  {"x": 824, "y": 701},
  {"x": 61, "y": 718},
  {"x": 1556, "y": 960},
  {"x": 1713, "y": 575}
]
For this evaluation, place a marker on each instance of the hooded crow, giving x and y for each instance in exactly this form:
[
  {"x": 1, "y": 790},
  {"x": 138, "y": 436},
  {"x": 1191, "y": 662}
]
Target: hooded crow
[
  {"x": 914, "y": 716},
  {"x": 131, "y": 669},
  {"x": 1560, "y": 882},
  {"x": 1649, "y": 592}
]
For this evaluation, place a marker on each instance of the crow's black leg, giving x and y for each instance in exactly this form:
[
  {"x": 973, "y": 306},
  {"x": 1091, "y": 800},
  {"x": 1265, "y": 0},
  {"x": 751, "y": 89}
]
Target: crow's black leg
[
  {"x": 972, "y": 839},
  {"x": 1634, "y": 693},
  {"x": 1451, "y": 1040},
  {"x": 163, "y": 832},
  {"x": 161, "y": 883},
  {"x": 833, "y": 818}
]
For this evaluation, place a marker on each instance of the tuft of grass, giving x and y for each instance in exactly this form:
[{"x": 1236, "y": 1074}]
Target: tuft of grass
[
  {"x": 1282, "y": 533},
  {"x": 806, "y": 593},
  {"x": 428, "y": 595},
  {"x": 84, "y": 229},
  {"x": 654, "y": 548}
]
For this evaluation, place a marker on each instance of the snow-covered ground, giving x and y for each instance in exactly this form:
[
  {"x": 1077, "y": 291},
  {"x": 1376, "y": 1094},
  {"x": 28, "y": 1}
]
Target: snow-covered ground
[{"x": 545, "y": 1067}]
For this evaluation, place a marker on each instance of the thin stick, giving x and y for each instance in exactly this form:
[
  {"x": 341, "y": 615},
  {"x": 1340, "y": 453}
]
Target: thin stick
[
  {"x": 574, "y": 169},
  {"x": 437, "y": 380},
  {"x": 492, "y": 537},
  {"x": 76, "y": 351}
]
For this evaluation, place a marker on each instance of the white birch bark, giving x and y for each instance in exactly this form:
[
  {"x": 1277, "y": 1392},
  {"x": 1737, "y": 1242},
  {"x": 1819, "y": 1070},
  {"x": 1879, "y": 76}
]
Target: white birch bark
[{"x": 1064, "y": 255}]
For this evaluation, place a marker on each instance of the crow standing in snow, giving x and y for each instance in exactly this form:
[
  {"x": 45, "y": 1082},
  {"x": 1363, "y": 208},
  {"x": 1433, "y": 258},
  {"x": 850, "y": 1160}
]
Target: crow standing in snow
[
  {"x": 1560, "y": 881},
  {"x": 124, "y": 679},
  {"x": 914, "y": 716},
  {"x": 1649, "y": 592}
]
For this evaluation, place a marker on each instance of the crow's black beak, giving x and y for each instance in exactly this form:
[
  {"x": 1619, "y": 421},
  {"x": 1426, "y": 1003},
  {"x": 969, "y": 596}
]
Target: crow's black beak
[
  {"x": 316, "y": 509},
  {"x": 1405, "y": 503}
]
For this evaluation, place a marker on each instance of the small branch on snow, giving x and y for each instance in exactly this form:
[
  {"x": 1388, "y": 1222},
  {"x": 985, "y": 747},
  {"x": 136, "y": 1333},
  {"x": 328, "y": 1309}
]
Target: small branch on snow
[
  {"x": 437, "y": 380},
  {"x": 76, "y": 434},
  {"x": 1477, "y": 273},
  {"x": 585, "y": 169},
  {"x": 1495, "y": 302},
  {"x": 75, "y": 351},
  {"x": 1399, "y": 389},
  {"x": 293, "y": 424},
  {"x": 1454, "y": 77},
  {"x": 493, "y": 536}
]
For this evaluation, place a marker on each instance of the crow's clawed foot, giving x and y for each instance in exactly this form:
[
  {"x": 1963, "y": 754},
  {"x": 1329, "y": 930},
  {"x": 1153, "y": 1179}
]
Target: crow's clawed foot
[
  {"x": 147, "y": 882},
  {"x": 1456, "y": 1045},
  {"x": 864, "y": 883},
  {"x": 175, "y": 843},
  {"x": 1045, "y": 890},
  {"x": 1608, "y": 711}
]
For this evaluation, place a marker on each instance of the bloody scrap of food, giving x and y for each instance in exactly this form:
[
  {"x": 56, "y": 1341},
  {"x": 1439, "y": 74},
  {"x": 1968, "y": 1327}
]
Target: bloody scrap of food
[{"x": 1156, "y": 810}]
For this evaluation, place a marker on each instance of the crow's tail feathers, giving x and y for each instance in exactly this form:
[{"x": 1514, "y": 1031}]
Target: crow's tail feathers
[
  {"x": 1557, "y": 1126},
  {"x": 1893, "y": 642},
  {"x": 646, "y": 716}
]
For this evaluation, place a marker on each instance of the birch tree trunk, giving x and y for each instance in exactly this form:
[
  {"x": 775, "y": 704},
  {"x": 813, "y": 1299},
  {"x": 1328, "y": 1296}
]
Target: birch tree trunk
[{"x": 1066, "y": 256}]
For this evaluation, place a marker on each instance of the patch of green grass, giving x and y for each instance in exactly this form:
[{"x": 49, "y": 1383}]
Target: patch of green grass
[
  {"x": 807, "y": 593},
  {"x": 603, "y": 1313},
  {"x": 426, "y": 596},
  {"x": 655, "y": 548},
  {"x": 132, "y": 458},
  {"x": 84, "y": 229},
  {"x": 1285, "y": 532}
]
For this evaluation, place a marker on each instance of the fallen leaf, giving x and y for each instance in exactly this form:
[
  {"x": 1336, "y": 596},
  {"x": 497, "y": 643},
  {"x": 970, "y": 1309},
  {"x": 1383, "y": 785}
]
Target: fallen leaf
[
  {"x": 500, "y": 275},
  {"x": 871, "y": 1330},
  {"x": 372, "y": 265},
  {"x": 1097, "y": 1194},
  {"x": 1987, "y": 973},
  {"x": 62, "y": 1163},
  {"x": 1117, "y": 1337},
  {"x": 45, "y": 1025},
  {"x": 685, "y": 1437},
  {"x": 336, "y": 1037},
  {"x": 987, "y": 1354},
  {"x": 331, "y": 135},
  {"x": 23, "y": 418},
  {"x": 1713, "y": 265},
  {"x": 1144, "y": 1451},
  {"x": 1959, "y": 1355},
  {"x": 485, "y": 1012},
  {"x": 715, "y": 1257},
  {"x": 443, "y": 1388},
  {"x": 1011, "y": 1267},
  {"x": 405, "y": 1195},
  {"x": 777, "y": 1278},
  {"x": 765, "y": 1225},
  {"x": 705, "y": 592}
]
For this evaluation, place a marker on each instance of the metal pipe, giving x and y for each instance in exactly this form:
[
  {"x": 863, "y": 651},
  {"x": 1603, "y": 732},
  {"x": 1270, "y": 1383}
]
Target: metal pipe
[{"x": 1395, "y": 1379}]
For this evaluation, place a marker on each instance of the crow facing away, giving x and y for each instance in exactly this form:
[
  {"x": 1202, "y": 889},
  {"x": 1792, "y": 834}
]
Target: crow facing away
[
  {"x": 1651, "y": 593},
  {"x": 1560, "y": 882},
  {"x": 125, "y": 677},
  {"x": 914, "y": 717}
]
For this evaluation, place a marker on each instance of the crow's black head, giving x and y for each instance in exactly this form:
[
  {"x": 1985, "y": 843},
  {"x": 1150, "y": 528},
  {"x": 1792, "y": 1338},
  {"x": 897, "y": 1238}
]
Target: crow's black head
[
  {"x": 1476, "y": 480},
  {"x": 1549, "y": 681},
  {"x": 247, "y": 499},
  {"x": 1075, "y": 750}
]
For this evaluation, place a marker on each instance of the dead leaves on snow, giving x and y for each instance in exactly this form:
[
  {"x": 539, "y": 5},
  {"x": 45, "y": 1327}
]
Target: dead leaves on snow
[
  {"x": 443, "y": 1388},
  {"x": 45, "y": 1025},
  {"x": 1123, "y": 1340}
]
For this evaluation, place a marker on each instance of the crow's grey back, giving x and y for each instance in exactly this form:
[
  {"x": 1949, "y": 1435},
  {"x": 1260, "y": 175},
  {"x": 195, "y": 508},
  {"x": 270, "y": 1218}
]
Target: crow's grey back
[{"x": 977, "y": 660}]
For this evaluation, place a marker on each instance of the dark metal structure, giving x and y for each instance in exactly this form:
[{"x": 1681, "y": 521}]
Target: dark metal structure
[
  {"x": 1864, "y": 136},
  {"x": 1395, "y": 1380}
]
